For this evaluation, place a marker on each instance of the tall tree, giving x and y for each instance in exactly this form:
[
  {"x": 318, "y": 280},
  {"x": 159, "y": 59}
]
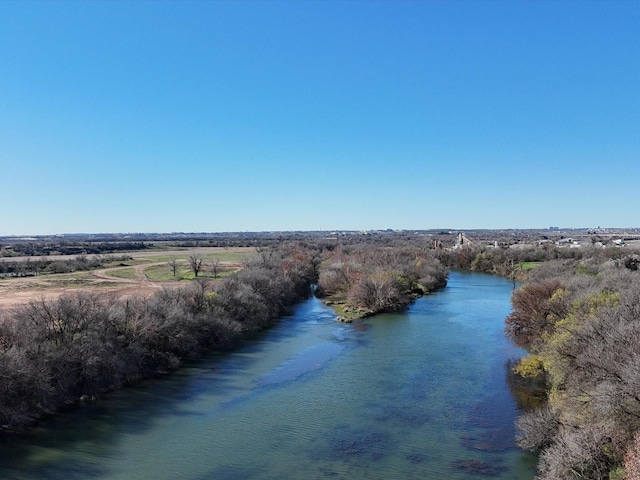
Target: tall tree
[{"x": 173, "y": 263}]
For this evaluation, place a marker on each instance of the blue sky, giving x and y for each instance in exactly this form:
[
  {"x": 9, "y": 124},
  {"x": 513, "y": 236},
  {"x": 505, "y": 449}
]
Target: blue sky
[{"x": 161, "y": 116}]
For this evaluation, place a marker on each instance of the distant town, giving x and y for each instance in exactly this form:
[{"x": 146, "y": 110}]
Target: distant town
[{"x": 90, "y": 243}]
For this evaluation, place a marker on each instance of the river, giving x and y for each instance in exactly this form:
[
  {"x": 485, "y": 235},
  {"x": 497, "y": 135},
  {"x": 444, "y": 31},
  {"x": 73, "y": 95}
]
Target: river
[{"x": 418, "y": 395}]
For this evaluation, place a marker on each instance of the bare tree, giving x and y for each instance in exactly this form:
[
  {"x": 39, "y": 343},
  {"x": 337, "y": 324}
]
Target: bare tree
[
  {"x": 31, "y": 267},
  {"x": 196, "y": 262},
  {"x": 173, "y": 263},
  {"x": 536, "y": 429},
  {"x": 215, "y": 268}
]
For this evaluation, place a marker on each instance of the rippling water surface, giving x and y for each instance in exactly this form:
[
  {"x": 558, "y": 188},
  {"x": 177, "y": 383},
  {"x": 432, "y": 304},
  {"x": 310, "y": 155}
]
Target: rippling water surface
[{"x": 419, "y": 394}]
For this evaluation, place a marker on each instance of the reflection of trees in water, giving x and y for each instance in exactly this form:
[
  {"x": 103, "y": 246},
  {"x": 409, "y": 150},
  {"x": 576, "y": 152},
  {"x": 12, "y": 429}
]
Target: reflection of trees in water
[{"x": 529, "y": 393}]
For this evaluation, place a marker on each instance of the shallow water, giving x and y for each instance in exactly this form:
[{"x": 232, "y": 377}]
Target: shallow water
[{"x": 419, "y": 394}]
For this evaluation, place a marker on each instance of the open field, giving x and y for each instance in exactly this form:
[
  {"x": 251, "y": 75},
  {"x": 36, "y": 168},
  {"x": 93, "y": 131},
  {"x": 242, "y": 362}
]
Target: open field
[
  {"x": 529, "y": 265},
  {"x": 145, "y": 272}
]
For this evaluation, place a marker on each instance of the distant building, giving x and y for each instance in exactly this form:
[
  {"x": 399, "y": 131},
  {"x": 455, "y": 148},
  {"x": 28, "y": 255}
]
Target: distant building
[
  {"x": 462, "y": 241},
  {"x": 569, "y": 242}
]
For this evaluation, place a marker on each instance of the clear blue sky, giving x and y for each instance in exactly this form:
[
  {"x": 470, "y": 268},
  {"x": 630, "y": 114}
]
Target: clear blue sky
[{"x": 161, "y": 116}]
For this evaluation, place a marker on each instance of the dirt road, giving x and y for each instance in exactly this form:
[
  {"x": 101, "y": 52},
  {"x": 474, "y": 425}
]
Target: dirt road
[{"x": 16, "y": 291}]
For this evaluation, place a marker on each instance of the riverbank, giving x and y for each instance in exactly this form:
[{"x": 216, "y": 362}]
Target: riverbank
[{"x": 347, "y": 313}]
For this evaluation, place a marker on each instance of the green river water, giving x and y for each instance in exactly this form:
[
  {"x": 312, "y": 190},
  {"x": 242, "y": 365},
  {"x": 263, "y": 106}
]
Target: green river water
[{"x": 418, "y": 395}]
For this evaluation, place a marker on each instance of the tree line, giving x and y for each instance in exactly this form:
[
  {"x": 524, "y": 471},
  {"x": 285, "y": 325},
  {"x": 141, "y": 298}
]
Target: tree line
[
  {"x": 46, "y": 265},
  {"x": 45, "y": 248}
]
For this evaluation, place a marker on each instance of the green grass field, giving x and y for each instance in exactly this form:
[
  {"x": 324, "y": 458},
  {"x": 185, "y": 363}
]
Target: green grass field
[
  {"x": 529, "y": 265},
  {"x": 127, "y": 272},
  {"x": 164, "y": 273},
  {"x": 222, "y": 256}
]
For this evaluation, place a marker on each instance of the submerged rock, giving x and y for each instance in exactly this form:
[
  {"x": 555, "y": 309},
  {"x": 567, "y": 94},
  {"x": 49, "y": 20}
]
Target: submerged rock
[{"x": 477, "y": 467}]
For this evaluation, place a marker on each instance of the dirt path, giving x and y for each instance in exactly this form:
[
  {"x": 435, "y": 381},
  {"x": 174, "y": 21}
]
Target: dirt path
[
  {"x": 103, "y": 274},
  {"x": 140, "y": 276},
  {"x": 16, "y": 291}
]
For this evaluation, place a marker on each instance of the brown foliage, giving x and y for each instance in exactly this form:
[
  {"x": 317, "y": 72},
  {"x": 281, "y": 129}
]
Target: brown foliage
[
  {"x": 534, "y": 312},
  {"x": 379, "y": 279}
]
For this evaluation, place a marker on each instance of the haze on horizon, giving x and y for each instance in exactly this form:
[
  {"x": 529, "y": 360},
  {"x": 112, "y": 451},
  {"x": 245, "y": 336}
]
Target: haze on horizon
[{"x": 281, "y": 115}]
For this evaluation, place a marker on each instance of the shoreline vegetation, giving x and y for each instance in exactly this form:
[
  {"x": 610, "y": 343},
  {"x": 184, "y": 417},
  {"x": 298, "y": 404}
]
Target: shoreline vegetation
[
  {"x": 579, "y": 321},
  {"x": 362, "y": 281}
]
